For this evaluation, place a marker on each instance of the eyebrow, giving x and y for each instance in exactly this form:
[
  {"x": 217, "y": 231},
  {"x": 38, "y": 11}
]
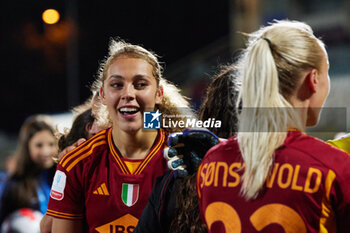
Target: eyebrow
[
  {"x": 138, "y": 76},
  {"x": 116, "y": 76}
]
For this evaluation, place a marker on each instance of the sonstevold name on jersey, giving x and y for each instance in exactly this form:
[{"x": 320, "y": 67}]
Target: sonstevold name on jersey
[{"x": 191, "y": 123}]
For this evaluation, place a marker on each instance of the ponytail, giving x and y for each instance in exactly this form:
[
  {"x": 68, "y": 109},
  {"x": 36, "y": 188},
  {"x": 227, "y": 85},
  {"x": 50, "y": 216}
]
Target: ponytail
[
  {"x": 261, "y": 130},
  {"x": 270, "y": 69}
]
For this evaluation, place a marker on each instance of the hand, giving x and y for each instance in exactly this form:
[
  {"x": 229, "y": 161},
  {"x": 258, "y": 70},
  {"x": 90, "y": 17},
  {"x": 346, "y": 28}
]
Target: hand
[
  {"x": 186, "y": 150},
  {"x": 71, "y": 147}
]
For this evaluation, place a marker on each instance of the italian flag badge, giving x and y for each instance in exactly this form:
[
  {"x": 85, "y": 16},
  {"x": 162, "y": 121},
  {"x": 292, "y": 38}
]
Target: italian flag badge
[{"x": 130, "y": 194}]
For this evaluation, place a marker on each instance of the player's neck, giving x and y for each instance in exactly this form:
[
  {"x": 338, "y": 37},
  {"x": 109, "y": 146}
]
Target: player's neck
[
  {"x": 134, "y": 145},
  {"x": 301, "y": 111}
]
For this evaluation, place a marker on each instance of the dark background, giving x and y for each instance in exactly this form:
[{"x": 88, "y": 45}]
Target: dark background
[{"x": 36, "y": 57}]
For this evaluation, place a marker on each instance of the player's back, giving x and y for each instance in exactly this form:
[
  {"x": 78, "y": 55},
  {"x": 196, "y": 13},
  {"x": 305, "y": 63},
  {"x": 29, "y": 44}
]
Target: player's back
[{"x": 308, "y": 189}]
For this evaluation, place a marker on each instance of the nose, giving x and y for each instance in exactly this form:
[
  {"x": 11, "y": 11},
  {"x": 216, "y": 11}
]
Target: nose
[
  {"x": 47, "y": 150},
  {"x": 128, "y": 93}
]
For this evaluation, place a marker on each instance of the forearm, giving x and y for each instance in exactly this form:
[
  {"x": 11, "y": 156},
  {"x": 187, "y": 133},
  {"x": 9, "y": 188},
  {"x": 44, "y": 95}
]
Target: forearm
[
  {"x": 66, "y": 226},
  {"x": 46, "y": 224}
]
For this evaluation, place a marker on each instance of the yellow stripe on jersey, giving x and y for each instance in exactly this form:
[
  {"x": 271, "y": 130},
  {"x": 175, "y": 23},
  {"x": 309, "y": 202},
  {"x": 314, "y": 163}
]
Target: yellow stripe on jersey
[
  {"x": 64, "y": 215},
  {"x": 132, "y": 166},
  {"x": 153, "y": 152},
  {"x": 327, "y": 223},
  {"x": 124, "y": 168},
  {"x": 115, "y": 154},
  {"x": 342, "y": 143},
  {"x": 84, "y": 155},
  {"x": 70, "y": 155},
  {"x": 197, "y": 182},
  {"x": 104, "y": 188}
]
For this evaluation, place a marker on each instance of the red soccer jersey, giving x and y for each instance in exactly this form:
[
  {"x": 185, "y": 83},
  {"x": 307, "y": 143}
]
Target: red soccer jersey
[
  {"x": 93, "y": 183},
  {"x": 308, "y": 189}
]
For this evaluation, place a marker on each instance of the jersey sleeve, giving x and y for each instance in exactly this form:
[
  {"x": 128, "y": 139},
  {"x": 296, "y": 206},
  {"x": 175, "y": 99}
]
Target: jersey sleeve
[
  {"x": 199, "y": 183},
  {"x": 339, "y": 193},
  {"x": 66, "y": 196},
  {"x": 340, "y": 198}
]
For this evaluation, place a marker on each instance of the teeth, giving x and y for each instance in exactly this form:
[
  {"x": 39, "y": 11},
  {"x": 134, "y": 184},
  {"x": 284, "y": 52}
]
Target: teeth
[{"x": 128, "y": 109}]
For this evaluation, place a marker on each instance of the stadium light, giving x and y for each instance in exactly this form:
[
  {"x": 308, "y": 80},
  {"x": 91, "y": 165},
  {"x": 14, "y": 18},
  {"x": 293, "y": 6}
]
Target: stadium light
[{"x": 51, "y": 16}]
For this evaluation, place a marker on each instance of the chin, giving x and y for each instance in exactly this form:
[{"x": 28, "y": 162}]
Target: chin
[
  {"x": 310, "y": 124},
  {"x": 46, "y": 165},
  {"x": 131, "y": 128},
  {"x": 313, "y": 117},
  {"x": 312, "y": 121}
]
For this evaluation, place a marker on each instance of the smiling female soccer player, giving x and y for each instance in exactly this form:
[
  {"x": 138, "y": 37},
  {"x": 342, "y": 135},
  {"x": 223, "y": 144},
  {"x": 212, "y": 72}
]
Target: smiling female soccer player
[
  {"x": 103, "y": 185},
  {"x": 272, "y": 177}
]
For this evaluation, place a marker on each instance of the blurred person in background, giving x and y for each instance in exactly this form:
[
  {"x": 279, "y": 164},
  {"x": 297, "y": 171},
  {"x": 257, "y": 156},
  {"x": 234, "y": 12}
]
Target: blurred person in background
[
  {"x": 341, "y": 141},
  {"x": 10, "y": 167},
  {"x": 29, "y": 185},
  {"x": 84, "y": 126},
  {"x": 272, "y": 177},
  {"x": 81, "y": 128},
  {"x": 22, "y": 221}
]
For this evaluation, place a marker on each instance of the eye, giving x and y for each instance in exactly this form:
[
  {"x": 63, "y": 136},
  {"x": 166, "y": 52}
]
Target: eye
[
  {"x": 141, "y": 84},
  {"x": 39, "y": 145},
  {"x": 116, "y": 84}
]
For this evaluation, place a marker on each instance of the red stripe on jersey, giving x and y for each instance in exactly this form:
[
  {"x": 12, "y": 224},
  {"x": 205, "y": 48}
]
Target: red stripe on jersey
[{"x": 135, "y": 193}]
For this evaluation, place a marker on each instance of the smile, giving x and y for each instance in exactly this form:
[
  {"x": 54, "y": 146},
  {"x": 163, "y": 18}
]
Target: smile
[{"x": 128, "y": 110}]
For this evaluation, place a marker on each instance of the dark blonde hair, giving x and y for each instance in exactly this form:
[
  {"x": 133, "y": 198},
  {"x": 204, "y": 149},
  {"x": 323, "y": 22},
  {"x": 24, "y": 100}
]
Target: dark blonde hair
[
  {"x": 172, "y": 99},
  {"x": 118, "y": 48}
]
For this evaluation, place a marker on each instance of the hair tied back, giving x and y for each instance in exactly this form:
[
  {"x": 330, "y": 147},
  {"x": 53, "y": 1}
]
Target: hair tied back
[{"x": 268, "y": 41}]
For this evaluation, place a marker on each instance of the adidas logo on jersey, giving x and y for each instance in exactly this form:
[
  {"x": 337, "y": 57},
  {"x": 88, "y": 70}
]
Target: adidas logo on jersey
[{"x": 102, "y": 190}]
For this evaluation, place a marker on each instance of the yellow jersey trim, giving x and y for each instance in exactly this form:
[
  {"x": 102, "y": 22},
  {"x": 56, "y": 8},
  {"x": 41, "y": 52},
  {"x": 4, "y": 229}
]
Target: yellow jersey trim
[
  {"x": 83, "y": 156},
  {"x": 64, "y": 215},
  {"x": 75, "y": 152},
  {"x": 115, "y": 154},
  {"x": 327, "y": 223},
  {"x": 152, "y": 153}
]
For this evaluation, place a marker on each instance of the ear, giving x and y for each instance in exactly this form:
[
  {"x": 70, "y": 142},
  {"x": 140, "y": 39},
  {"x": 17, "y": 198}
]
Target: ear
[
  {"x": 102, "y": 96},
  {"x": 311, "y": 80},
  {"x": 88, "y": 127},
  {"x": 159, "y": 94}
]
